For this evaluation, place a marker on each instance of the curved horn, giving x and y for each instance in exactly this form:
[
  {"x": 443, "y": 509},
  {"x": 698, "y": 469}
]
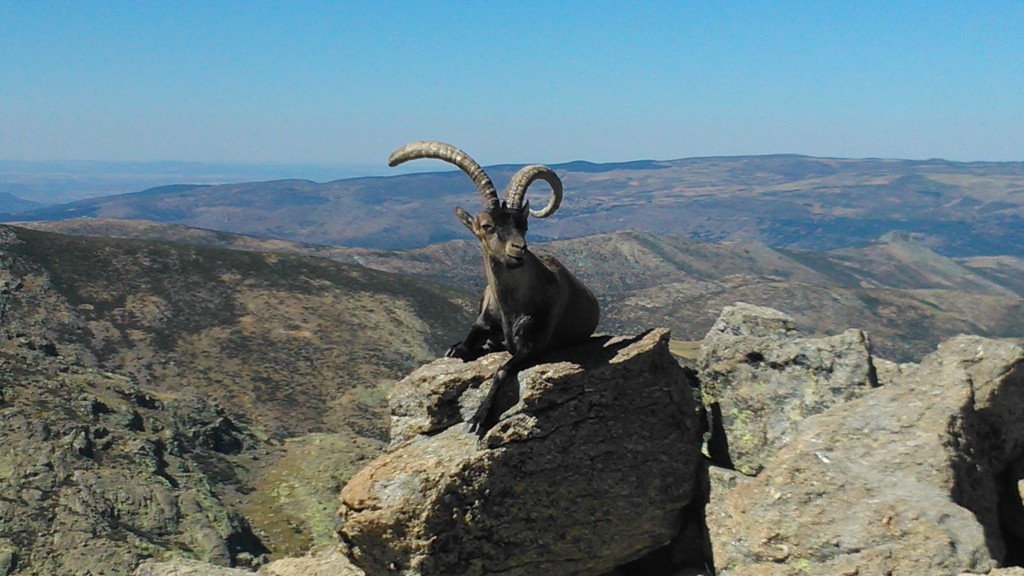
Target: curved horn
[
  {"x": 451, "y": 155},
  {"x": 522, "y": 179}
]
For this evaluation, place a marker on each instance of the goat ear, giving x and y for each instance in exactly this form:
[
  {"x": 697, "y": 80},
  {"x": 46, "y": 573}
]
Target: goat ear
[{"x": 464, "y": 217}]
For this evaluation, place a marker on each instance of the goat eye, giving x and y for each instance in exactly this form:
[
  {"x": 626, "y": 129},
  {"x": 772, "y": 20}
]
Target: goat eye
[{"x": 488, "y": 228}]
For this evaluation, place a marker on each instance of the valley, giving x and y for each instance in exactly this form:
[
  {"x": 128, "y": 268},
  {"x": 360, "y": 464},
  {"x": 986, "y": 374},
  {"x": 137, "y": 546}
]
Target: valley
[
  {"x": 905, "y": 295},
  {"x": 238, "y": 346}
]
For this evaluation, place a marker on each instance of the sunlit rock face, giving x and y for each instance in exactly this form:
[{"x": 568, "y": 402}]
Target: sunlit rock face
[{"x": 591, "y": 467}]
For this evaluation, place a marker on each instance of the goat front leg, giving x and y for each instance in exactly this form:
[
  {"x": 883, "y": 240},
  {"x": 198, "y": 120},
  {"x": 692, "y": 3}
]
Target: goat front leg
[
  {"x": 482, "y": 339},
  {"x": 485, "y": 335},
  {"x": 505, "y": 384}
]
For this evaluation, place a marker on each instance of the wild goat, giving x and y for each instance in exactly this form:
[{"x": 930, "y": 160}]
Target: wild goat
[{"x": 532, "y": 304}]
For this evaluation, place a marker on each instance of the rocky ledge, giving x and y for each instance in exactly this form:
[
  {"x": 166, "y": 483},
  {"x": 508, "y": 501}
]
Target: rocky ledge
[
  {"x": 818, "y": 459},
  {"x": 591, "y": 468}
]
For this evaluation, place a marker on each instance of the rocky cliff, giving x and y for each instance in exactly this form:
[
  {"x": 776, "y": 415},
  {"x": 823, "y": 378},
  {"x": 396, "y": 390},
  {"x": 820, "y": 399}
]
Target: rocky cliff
[
  {"x": 916, "y": 479},
  {"x": 97, "y": 473},
  {"x": 920, "y": 475},
  {"x": 818, "y": 459},
  {"x": 256, "y": 378},
  {"x": 821, "y": 460}
]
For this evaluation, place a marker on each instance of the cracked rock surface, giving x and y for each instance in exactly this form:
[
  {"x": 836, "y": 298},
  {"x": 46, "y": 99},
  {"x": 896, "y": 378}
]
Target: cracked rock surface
[
  {"x": 762, "y": 378},
  {"x": 590, "y": 468},
  {"x": 919, "y": 476}
]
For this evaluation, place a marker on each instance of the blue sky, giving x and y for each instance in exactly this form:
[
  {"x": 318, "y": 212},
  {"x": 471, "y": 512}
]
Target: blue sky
[{"x": 346, "y": 82}]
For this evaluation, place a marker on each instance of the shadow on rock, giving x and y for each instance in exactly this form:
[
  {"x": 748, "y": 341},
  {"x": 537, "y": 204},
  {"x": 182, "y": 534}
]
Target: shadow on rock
[{"x": 593, "y": 467}]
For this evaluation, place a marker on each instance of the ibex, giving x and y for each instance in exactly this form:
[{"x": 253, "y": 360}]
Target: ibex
[{"x": 532, "y": 304}]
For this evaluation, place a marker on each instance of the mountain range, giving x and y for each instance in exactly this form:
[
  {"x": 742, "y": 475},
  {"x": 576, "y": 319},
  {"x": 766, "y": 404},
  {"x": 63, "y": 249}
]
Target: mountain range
[
  {"x": 784, "y": 201},
  {"x": 144, "y": 336},
  {"x": 12, "y": 204},
  {"x": 907, "y": 296},
  {"x": 254, "y": 371}
]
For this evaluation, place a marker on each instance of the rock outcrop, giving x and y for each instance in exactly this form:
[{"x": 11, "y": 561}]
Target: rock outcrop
[
  {"x": 920, "y": 476},
  {"x": 96, "y": 473},
  {"x": 593, "y": 466},
  {"x": 594, "y": 469},
  {"x": 760, "y": 378}
]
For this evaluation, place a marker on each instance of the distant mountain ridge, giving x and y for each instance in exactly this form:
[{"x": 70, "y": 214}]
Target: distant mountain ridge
[
  {"x": 11, "y": 204},
  {"x": 784, "y": 201}
]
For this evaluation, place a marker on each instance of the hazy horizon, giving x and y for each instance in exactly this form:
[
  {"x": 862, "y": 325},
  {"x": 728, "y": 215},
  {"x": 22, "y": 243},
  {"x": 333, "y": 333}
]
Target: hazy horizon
[
  {"x": 342, "y": 84},
  {"x": 58, "y": 181}
]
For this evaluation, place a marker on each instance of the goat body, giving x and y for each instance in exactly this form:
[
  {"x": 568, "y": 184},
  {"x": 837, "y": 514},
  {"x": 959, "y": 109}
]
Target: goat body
[
  {"x": 532, "y": 304},
  {"x": 528, "y": 310},
  {"x": 541, "y": 293}
]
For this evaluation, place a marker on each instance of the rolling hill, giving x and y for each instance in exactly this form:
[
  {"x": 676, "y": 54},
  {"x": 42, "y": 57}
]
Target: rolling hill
[
  {"x": 279, "y": 335},
  {"x": 783, "y": 201},
  {"x": 11, "y": 204},
  {"x": 907, "y": 296}
]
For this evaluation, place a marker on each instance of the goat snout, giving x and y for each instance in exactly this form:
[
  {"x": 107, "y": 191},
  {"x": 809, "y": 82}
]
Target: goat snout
[{"x": 515, "y": 249}]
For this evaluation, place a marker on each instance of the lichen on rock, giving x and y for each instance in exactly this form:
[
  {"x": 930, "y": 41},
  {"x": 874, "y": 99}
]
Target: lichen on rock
[
  {"x": 919, "y": 476},
  {"x": 760, "y": 378}
]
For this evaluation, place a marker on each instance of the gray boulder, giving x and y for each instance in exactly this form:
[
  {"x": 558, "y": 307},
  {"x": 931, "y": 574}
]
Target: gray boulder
[
  {"x": 917, "y": 477},
  {"x": 760, "y": 378},
  {"x": 590, "y": 468}
]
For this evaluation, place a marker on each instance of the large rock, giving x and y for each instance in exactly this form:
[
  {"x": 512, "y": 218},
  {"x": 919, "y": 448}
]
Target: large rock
[
  {"x": 917, "y": 477},
  {"x": 589, "y": 469},
  {"x": 760, "y": 378}
]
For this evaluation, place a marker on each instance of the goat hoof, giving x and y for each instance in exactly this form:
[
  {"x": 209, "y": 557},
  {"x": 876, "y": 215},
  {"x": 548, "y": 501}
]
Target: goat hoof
[
  {"x": 477, "y": 426},
  {"x": 457, "y": 352}
]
